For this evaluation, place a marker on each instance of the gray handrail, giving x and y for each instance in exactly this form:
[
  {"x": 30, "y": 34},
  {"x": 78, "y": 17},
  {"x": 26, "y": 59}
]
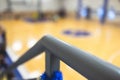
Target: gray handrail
[{"x": 84, "y": 63}]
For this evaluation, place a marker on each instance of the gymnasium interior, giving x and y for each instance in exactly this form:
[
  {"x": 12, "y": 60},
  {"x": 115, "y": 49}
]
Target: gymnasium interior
[{"x": 79, "y": 39}]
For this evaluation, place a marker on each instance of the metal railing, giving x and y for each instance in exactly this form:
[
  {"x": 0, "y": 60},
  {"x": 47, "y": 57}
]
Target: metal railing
[{"x": 84, "y": 63}]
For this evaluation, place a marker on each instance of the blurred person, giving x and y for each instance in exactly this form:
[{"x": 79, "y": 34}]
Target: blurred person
[
  {"x": 2, "y": 41},
  {"x": 88, "y": 16},
  {"x": 3, "y": 65},
  {"x": 3, "y": 55},
  {"x": 62, "y": 13},
  {"x": 2, "y": 47}
]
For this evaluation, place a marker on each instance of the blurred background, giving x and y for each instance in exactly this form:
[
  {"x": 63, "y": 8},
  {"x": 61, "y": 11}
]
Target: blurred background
[
  {"x": 91, "y": 25},
  {"x": 49, "y": 8}
]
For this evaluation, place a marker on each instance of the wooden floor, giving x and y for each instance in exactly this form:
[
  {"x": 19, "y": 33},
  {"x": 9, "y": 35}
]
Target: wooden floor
[{"x": 103, "y": 41}]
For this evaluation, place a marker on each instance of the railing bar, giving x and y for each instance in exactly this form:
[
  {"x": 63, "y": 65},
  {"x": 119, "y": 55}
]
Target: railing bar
[{"x": 86, "y": 64}]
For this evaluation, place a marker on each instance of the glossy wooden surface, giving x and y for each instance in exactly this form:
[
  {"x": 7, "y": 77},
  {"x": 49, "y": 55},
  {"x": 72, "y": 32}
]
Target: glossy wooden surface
[{"x": 103, "y": 41}]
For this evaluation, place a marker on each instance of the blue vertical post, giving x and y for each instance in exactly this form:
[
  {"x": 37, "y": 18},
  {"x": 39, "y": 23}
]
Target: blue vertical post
[
  {"x": 79, "y": 8},
  {"x": 105, "y": 10},
  {"x": 9, "y": 6}
]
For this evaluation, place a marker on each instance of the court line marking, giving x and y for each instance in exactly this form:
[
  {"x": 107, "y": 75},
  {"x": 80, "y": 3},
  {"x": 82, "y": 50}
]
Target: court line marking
[
  {"x": 22, "y": 69},
  {"x": 114, "y": 56}
]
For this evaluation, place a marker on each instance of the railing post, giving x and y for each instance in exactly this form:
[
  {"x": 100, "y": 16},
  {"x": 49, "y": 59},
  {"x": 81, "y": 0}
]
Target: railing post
[{"x": 52, "y": 63}]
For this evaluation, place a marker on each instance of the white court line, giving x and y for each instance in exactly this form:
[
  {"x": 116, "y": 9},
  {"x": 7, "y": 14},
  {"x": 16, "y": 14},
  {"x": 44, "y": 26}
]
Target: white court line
[
  {"x": 22, "y": 69},
  {"x": 114, "y": 56}
]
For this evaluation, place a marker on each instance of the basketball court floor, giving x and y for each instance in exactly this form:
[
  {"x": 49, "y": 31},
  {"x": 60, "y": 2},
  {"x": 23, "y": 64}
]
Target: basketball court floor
[{"x": 103, "y": 41}]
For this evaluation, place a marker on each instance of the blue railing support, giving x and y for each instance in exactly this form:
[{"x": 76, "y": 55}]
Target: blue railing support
[{"x": 57, "y": 75}]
